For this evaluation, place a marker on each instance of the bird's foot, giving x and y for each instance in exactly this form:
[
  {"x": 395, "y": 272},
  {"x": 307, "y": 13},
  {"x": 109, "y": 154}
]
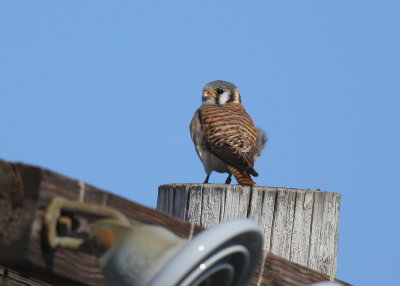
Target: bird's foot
[{"x": 206, "y": 179}]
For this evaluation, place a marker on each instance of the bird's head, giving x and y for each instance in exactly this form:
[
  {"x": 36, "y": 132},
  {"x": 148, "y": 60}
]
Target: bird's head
[{"x": 220, "y": 92}]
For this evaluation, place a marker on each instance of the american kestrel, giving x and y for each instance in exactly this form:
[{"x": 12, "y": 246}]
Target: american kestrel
[{"x": 224, "y": 135}]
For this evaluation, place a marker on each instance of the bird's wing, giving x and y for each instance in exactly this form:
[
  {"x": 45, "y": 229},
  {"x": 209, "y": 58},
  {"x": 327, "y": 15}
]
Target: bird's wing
[
  {"x": 229, "y": 133},
  {"x": 195, "y": 132}
]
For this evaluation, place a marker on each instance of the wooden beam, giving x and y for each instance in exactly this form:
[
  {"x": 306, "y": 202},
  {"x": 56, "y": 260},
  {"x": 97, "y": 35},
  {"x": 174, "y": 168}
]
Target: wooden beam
[
  {"x": 10, "y": 277},
  {"x": 299, "y": 225},
  {"x": 25, "y": 192},
  {"x": 278, "y": 271}
]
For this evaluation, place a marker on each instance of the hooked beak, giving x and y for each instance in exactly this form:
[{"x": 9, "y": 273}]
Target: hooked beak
[{"x": 207, "y": 95}]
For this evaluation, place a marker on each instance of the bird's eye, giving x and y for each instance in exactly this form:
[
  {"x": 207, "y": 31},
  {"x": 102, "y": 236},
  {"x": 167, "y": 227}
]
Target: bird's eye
[{"x": 219, "y": 91}]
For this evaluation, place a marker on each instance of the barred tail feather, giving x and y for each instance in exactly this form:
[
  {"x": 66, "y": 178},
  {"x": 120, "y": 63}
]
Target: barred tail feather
[{"x": 242, "y": 178}]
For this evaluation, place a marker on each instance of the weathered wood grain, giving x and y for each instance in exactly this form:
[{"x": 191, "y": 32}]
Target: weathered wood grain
[
  {"x": 324, "y": 232},
  {"x": 299, "y": 225},
  {"x": 262, "y": 206},
  {"x": 302, "y": 227},
  {"x": 277, "y": 272},
  {"x": 282, "y": 225},
  {"x": 10, "y": 277}
]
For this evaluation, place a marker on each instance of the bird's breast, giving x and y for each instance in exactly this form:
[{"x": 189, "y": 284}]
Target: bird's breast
[
  {"x": 228, "y": 124},
  {"x": 210, "y": 161}
]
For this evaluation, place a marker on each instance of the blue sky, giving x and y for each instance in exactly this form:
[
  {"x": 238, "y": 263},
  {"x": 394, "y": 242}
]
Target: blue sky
[{"x": 104, "y": 91}]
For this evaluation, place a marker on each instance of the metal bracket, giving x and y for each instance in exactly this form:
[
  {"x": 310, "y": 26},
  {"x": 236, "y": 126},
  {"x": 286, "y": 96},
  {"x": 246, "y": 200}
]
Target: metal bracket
[{"x": 53, "y": 214}]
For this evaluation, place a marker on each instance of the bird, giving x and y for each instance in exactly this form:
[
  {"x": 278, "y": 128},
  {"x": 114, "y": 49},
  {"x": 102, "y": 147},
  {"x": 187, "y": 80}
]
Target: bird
[{"x": 224, "y": 135}]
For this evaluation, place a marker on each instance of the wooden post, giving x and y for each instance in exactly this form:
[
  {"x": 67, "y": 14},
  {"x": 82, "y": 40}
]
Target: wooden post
[{"x": 299, "y": 225}]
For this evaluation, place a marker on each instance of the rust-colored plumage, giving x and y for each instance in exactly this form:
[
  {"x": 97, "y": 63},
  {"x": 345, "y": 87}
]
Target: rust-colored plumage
[
  {"x": 229, "y": 133},
  {"x": 241, "y": 177},
  {"x": 225, "y": 137}
]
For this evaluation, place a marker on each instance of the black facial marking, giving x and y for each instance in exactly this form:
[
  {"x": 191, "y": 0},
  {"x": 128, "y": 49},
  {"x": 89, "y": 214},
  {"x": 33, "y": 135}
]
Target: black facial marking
[{"x": 231, "y": 98}]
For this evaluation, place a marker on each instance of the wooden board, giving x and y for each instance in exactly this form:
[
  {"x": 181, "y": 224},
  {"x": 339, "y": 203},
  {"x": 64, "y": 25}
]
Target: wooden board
[
  {"x": 278, "y": 272},
  {"x": 10, "y": 277}
]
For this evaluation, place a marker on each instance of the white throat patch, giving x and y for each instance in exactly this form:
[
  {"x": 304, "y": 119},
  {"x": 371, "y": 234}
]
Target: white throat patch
[{"x": 223, "y": 98}]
